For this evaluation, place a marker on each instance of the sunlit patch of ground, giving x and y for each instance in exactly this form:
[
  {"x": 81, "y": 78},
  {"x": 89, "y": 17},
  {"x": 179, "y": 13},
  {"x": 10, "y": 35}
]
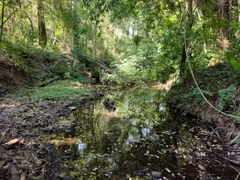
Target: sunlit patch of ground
[
  {"x": 163, "y": 86},
  {"x": 110, "y": 114},
  {"x": 9, "y": 105},
  {"x": 65, "y": 141}
]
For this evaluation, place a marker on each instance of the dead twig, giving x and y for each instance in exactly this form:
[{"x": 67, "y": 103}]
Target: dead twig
[
  {"x": 234, "y": 140},
  {"x": 229, "y": 160}
]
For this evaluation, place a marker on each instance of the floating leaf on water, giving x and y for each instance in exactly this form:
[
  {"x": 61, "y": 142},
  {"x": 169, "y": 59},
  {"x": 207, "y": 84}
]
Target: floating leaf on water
[
  {"x": 147, "y": 153},
  {"x": 133, "y": 155},
  {"x": 168, "y": 170}
]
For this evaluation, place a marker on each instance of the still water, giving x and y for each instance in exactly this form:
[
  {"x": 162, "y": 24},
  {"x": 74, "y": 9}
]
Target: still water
[{"x": 142, "y": 139}]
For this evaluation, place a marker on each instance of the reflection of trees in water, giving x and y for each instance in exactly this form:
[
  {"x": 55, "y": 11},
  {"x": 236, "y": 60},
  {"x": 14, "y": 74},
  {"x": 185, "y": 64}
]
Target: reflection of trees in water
[
  {"x": 83, "y": 125},
  {"x": 136, "y": 137},
  {"x": 126, "y": 141}
]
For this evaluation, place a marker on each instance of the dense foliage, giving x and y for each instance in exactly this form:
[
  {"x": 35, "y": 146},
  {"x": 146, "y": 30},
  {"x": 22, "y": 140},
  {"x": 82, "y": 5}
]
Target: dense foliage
[{"x": 140, "y": 40}]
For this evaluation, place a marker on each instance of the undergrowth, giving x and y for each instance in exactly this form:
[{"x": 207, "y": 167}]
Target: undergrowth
[
  {"x": 39, "y": 65},
  {"x": 218, "y": 83}
]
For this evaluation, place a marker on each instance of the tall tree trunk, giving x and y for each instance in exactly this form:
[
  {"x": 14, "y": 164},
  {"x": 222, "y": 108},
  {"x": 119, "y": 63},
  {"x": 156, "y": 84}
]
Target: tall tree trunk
[
  {"x": 238, "y": 8},
  {"x": 42, "y": 34},
  {"x": 2, "y": 20},
  {"x": 95, "y": 71},
  {"x": 76, "y": 45},
  {"x": 94, "y": 42},
  {"x": 182, "y": 63},
  {"x": 189, "y": 24}
]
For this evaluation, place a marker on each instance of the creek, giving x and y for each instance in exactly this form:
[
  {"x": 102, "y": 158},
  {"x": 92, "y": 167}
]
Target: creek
[{"x": 142, "y": 139}]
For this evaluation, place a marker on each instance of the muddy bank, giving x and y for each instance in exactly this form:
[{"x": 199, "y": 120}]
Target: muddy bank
[
  {"x": 186, "y": 98},
  {"x": 225, "y": 129},
  {"x": 22, "y": 123}
]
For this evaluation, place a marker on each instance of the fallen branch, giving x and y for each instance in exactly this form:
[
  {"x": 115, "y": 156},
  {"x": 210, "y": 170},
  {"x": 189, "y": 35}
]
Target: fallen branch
[
  {"x": 234, "y": 140},
  {"x": 86, "y": 58},
  {"x": 97, "y": 62},
  {"x": 236, "y": 163},
  {"x": 49, "y": 81}
]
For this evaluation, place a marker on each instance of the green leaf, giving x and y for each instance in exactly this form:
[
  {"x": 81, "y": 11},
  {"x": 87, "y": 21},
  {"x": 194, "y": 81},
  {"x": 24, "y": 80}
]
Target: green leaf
[
  {"x": 235, "y": 64},
  {"x": 229, "y": 55},
  {"x": 232, "y": 60}
]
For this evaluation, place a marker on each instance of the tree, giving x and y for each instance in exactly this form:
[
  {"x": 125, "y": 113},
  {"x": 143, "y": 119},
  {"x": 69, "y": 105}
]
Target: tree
[
  {"x": 75, "y": 29},
  {"x": 42, "y": 34},
  {"x": 189, "y": 23},
  {"x": 2, "y": 20}
]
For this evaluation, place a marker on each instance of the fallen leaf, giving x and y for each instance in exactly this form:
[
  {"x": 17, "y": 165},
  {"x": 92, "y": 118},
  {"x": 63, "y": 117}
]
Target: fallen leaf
[
  {"x": 201, "y": 167},
  {"x": 12, "y": 142}
]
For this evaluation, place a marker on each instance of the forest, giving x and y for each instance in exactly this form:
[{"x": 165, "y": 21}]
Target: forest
[{"x": 119, "y": 89}]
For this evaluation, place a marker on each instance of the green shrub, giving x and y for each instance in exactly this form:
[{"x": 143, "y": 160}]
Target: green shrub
[
  {"x": 225, "y": 95},
  {"x": 61, "y": 69}
]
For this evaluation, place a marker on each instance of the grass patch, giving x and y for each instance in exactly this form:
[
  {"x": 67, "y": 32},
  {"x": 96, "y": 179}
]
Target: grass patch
[{"x": 59, "y": 90}]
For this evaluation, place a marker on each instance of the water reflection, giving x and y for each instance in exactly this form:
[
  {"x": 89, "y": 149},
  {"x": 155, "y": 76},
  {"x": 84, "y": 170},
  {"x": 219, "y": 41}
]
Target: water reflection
[
  {"x": 81, "y": 147},
  {"x": 161, "y": 108},
  {"x": 141, "y": 139}
]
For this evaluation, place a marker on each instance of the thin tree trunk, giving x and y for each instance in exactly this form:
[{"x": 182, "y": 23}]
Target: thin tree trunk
[
  {"x": 75, "y": 29},
  {"x": 2, "y": 20},
  {"x": 239, "y": 8},
  {"x": 94, "y": 42},
  {"x": 42, "y": 34},
  {"x": 189, "y": 18},
  {"x": 31, "y": 24},
  {"x": 86, "y": 43},
  {"x": 182, "y": 63}
]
